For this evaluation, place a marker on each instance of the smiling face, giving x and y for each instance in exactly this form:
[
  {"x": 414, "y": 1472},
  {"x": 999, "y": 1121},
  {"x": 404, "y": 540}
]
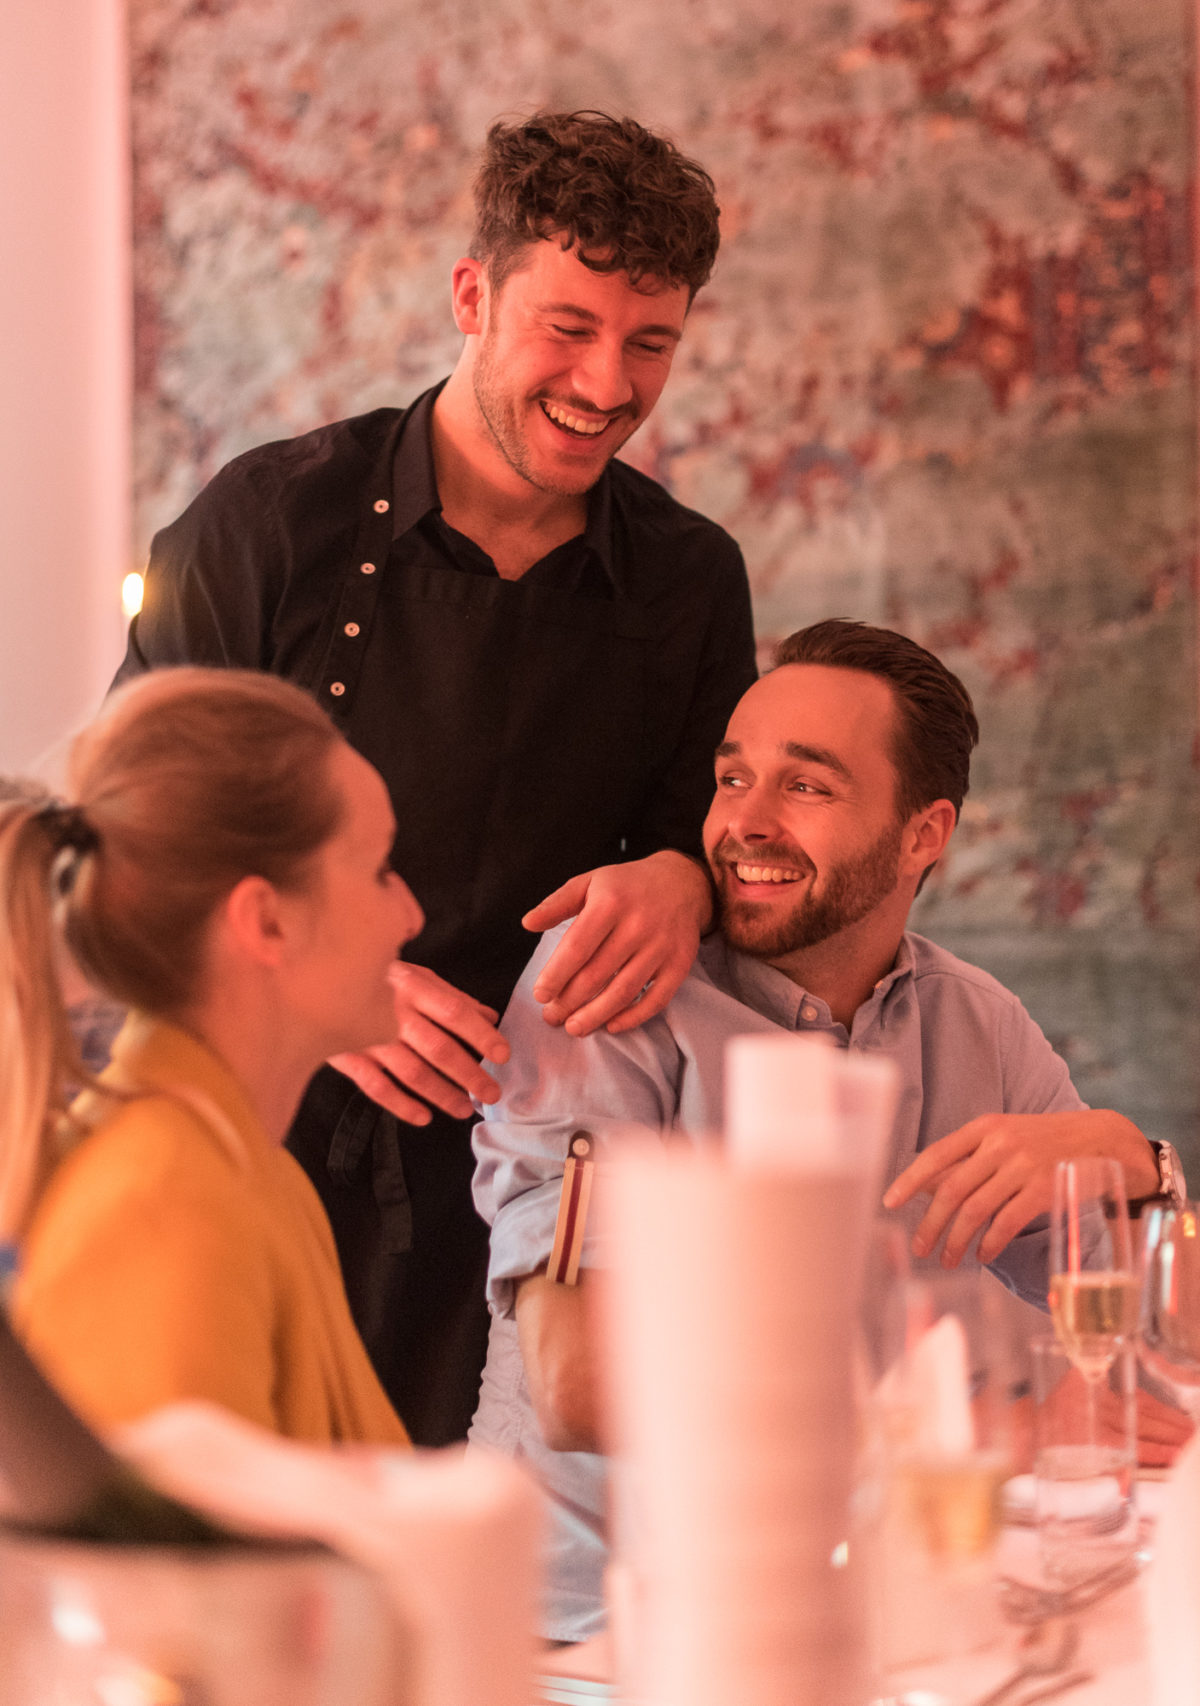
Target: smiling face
[
  {"x": 353, "y": 916},
  {"x": 569, "y": 362},
  {"x": 802, "y": 837}
]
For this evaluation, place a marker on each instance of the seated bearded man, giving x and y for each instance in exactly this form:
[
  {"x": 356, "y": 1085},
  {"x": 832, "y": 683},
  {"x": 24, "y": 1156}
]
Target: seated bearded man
[{"x": 838, "y": 787}]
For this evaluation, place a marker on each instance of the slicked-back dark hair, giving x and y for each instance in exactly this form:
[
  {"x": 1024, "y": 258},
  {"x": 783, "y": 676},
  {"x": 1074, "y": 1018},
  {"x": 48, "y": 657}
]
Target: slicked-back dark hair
[
  {"x": 936, "y": 730},
  {"x": 625, "y": 199}
]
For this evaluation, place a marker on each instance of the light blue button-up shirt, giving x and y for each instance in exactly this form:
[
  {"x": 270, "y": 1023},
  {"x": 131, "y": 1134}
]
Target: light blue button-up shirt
[{"x": 963, "y": 1046}]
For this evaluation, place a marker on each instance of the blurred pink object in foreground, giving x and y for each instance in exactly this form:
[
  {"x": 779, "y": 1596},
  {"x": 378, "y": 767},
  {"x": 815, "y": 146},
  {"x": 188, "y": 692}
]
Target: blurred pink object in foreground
[
  {"x": 452, "y": 1535},
  {"x": 1171, "y": 1589},
  {"x": 92, "y": 1624},
  {"x": 732, "y": 1308}
]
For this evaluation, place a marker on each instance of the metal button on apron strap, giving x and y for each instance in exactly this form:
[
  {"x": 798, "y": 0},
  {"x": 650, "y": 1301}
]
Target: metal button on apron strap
[{"x": 358, "y": 605}]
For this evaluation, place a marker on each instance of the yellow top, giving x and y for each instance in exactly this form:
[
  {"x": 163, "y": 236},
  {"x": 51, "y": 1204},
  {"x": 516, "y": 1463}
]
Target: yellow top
[{"x": 178, "y": 1252}]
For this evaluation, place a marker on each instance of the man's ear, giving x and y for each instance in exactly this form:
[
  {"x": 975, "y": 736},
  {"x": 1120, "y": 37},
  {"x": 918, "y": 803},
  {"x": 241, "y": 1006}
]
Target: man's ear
[
  {"x": 469, "y": 295},
  {"x": 926, "y": 835},
  {"x": 253, "y": 917}
]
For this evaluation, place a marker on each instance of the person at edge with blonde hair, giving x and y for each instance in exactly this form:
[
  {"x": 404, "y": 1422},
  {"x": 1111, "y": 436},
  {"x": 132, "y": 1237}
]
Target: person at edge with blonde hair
[{"x": 222, "y": 869}]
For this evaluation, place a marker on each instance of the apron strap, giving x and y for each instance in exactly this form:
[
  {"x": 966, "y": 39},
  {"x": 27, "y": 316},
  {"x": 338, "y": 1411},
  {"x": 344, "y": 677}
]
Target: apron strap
[
  {"x": 341, "y": 643},
  {"x": 364, "y": 1124}
]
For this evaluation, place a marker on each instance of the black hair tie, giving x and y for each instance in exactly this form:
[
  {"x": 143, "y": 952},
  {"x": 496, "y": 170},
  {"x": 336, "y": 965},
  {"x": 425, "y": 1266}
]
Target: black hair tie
[{"x": 68, "y": 828}]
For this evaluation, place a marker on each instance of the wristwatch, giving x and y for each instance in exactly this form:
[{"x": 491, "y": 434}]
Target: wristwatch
[{"x": 1172, "y": 1185}]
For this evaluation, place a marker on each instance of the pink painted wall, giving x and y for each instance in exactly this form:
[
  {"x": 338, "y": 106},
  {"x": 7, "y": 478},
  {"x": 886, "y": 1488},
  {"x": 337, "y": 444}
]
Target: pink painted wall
[
  {"x": 943, "y": 377},
  {"x": 65, "y": 365}
]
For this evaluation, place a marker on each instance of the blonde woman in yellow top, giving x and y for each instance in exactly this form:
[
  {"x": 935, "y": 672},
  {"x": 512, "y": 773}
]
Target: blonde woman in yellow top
[{"x": 223, "y": 869}]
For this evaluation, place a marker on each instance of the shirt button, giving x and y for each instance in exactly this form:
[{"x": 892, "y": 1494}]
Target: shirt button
[
  {"x": 337, "y": 688},
  {"x": 808, "y": 1011},
  {"x": 381, "y": 506},
  {"x": 351, "y": 628},
  {"x": 367, "y": 568}
]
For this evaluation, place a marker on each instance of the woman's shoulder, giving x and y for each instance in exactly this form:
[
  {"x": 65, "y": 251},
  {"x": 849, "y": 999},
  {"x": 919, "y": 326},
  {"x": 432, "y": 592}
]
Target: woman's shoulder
[
  {"x": 148, "y": 1191},
  {"x": 140, "y": 1149}
]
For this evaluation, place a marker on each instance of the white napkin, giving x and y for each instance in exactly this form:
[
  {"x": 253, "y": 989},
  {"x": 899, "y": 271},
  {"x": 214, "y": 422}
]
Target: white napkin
[
  {"x": 1171, "y": 1589},
  {"x": 939, "y": 1390},
  {"x": 453, "y": 1535}
]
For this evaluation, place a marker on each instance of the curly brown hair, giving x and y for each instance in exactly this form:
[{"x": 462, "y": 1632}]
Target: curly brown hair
[
  {"x": 625, "y": 199},
  {"x": 936, "y": 729}
]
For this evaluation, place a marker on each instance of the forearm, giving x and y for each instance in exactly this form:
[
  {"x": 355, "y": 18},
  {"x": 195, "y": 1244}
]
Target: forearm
[{"x": 557, "y": 1338}]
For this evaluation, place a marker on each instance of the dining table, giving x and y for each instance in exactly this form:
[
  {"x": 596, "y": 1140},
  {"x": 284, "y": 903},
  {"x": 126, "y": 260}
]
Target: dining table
[{"x": 1109, "y": 1663}]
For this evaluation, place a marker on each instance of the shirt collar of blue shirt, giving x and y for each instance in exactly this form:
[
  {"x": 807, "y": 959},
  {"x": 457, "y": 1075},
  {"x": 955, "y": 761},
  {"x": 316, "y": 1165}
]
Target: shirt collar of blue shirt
[{"x": 772, "y": 992}]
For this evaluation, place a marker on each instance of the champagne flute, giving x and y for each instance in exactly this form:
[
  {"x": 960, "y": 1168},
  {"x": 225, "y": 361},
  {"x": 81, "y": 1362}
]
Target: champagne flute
[
  {"x": 946, "y": 1456},
  {"x": 1093, "y": 1286},
  {"x": 1170, "y": 1321},
  {"x": 955, "y": 1463}
]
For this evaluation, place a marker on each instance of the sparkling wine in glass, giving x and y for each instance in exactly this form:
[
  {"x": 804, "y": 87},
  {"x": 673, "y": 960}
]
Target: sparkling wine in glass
[
  {"x": 1170, "y": 1316},
  {"x": 946, "y": 1458},
  {"x": 1093, "y": 1284}
]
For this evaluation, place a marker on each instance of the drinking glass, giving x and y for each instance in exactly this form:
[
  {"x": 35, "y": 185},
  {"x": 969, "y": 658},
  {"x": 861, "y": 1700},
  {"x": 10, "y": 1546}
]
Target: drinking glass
[
  {"x": 1170, "y": 1318},
  {"x": 1093, "y": 1285},
  {"x": 1086, "y": 1516},
  {"x": 952, "y": 1469},
  {"x": 946, "y": 1456}
]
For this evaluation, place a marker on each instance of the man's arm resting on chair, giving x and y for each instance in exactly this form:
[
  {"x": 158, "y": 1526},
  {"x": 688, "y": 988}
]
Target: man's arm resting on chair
[{"x": 557, "y": 1335}]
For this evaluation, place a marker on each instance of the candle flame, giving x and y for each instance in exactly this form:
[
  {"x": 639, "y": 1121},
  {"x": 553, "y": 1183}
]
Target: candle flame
[{"x": 132, "y": 589}]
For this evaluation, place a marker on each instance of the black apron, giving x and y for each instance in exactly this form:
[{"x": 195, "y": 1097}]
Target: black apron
[{"x": 508, "y": 719}]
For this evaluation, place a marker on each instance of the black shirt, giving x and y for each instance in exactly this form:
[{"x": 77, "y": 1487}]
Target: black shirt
[{"x": 527, "y": 730}]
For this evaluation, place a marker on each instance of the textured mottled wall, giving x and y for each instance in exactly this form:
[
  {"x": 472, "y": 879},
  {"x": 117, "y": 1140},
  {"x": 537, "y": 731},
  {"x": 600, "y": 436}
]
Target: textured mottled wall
[{"x": 943, "y": 376}]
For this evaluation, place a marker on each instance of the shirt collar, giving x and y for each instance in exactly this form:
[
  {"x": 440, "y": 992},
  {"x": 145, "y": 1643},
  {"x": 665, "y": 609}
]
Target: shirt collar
[
  {"x": 414, "y": 482},
  {"x": 774, "y": 995},
  {"x": 902, "y": 967},
  {"x": 762, "y": 987},
  {"x": 415, "y": 493},
  {"x": 597, "y": 535}
]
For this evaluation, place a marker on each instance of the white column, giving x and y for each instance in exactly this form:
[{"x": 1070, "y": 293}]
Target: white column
[{"x": 65, "y": 365}]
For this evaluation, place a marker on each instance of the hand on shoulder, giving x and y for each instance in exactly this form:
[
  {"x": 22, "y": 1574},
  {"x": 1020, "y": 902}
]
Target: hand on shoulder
[{"x": 636, "y": 930}]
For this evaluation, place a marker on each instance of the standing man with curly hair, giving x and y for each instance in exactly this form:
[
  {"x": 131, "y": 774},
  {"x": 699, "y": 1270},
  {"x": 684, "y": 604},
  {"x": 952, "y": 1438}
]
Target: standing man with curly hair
[{"x": 537, "y": 647}]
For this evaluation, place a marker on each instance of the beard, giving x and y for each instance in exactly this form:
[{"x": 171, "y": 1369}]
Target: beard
[
  {"x": 502, "y": 415},
  {"x": 852, "y": 888}
]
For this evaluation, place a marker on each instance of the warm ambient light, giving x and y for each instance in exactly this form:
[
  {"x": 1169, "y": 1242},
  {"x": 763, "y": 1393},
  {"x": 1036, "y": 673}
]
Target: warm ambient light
[{"x": 132, "y": 588}]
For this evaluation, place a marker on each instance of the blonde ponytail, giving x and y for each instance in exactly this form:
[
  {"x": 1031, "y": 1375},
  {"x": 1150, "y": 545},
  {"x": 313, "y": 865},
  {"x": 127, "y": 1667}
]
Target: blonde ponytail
[{"x": 40, "y": 1060}]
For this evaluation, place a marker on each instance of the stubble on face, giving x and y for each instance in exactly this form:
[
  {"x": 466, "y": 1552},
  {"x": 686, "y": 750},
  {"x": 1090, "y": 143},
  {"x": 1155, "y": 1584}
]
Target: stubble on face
[
  {"x": 852, "y": 888},
  {"x": 502, "y": 410}
]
